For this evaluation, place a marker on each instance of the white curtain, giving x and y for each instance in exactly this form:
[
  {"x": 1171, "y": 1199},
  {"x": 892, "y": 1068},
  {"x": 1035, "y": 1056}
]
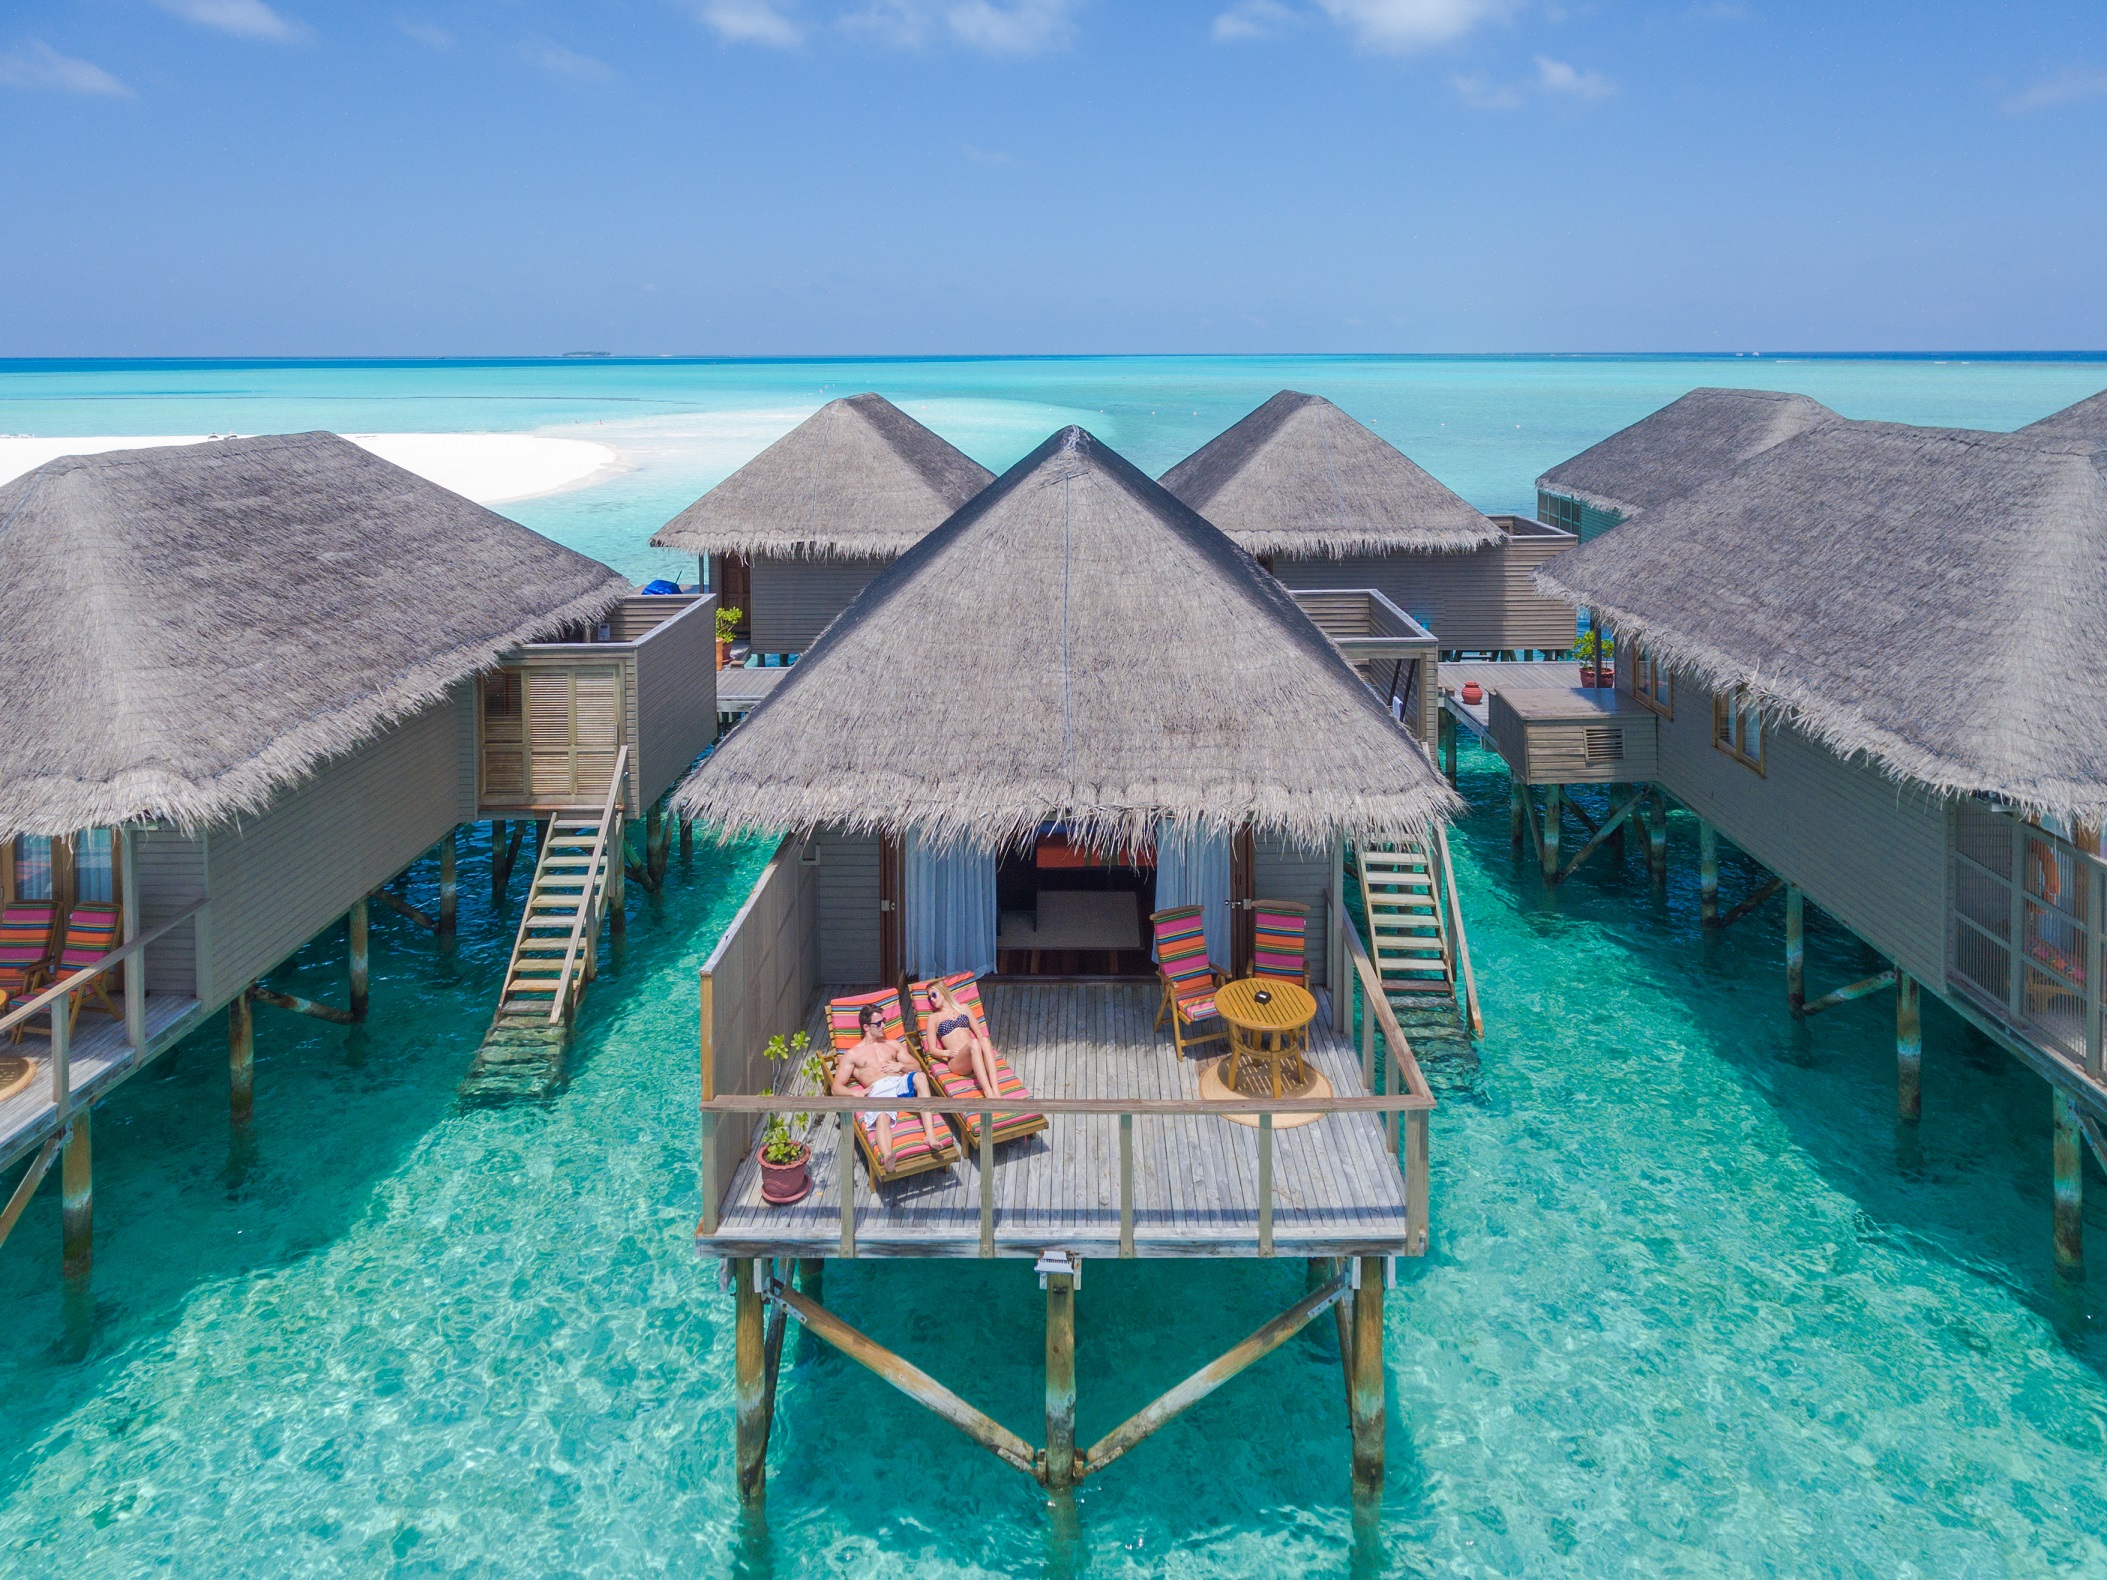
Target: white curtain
[
  {"x": 949, "y": 921},
  {"x": 1192, "y": 868}
]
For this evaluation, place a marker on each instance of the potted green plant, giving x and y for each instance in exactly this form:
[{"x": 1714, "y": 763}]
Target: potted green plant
[
  {"x": 786, "y": 1156},
  {"x": 1598, "y": 659},
  {"x": 727, "y": 628}
]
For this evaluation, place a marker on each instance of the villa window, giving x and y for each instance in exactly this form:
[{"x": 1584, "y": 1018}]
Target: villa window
[
  {"x": 94, "y": 868},
  {"x": 1651, "y": 683},
  {"x": 1555, "y": 510},
  {"x": 32, "y": 864},
  {"x": 1737, "y": 728}
]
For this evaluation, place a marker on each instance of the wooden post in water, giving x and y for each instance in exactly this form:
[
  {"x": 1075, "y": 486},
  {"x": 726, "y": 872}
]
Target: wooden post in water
[
  {"x": 1060, "y": 1381},
  {"x": 1448, "y": 731},
  {"x": 359, "y": 963},
  {"x": 1554, "y": 815},
  {"x": 1368, "y": 1406},
  {"x": 2070, "y": 1186},
  {"x": 687, "y": 838},
  {"x": 1517, "y": 813},
  {"x": 750, "y": 1380},
  {"x": 77, "y": 1194},
  {"x": 618, "y": 875},
  {"x": 1909, "y": 1050},
  {"x": 811, "y": 1278},
  {"x": 449, "y": 885},
  {"x": 1657, "y": 835},
  {"x": 1795, "y": 950},
  {"x": 241, "y": 1059},
  {"x": 1707, "y": 875}
]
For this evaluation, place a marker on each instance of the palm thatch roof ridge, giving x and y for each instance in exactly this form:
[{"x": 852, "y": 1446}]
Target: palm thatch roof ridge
[
  {"x": 1687, "y": 443},
  {"x": 1300, "y": 477},
  {"x": 194, "y": 628},
  {"x": 2084, "y": 420},
  {"x": 858, "y": 479},
  {"x": 1925, "y": 598},
  {"x": 1073, "y": 646}
]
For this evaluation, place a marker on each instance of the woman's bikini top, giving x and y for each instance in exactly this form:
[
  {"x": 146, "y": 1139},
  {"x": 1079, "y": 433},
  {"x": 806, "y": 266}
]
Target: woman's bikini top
[{"x": 945, "y": 1028}]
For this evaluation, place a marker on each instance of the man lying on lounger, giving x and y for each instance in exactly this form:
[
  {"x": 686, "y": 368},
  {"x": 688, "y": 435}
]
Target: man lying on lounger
[{"x": 878, "y": 1067}]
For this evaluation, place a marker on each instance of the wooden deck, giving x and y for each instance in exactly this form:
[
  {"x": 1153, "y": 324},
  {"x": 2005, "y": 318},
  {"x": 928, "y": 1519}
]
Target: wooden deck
[
  {"x": 1338, "y": 1190},
  {"x": 1555, "y": 675},
  {"x": 100, "y": 1059}
]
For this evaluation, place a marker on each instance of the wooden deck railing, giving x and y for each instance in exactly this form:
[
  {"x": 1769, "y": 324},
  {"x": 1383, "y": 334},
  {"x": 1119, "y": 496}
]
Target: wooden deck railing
[
  {"x": 592, "y": 904},
  {"x": 1459, "y": 940},
  {"x": 57, "y": 1001},
  {"x": 1360, "y": 988}
]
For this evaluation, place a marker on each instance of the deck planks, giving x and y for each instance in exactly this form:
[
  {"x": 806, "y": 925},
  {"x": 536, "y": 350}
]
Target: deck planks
[
  {"x": 1337, "y": 1190},
  {"x": 97, "y": 1060}
]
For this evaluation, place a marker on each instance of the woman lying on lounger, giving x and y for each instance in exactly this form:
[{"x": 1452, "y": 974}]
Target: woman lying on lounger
[
  {"x": 880, "y": 1068},
  {"x": 957, "y": 1034}
]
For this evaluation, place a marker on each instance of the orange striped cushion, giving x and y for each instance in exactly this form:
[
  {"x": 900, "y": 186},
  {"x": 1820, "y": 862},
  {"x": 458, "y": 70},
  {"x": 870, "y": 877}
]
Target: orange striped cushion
[
  {"x": 1007, "y": 1125},
  {"x": 910, "y": 1144},
  {"x": 847, "y": 1029},
  {"x": 91, "y": 933},
  {"x": 25, "y": 933}
]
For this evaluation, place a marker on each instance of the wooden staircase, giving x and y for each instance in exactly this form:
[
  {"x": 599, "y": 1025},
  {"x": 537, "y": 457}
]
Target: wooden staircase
[
  {"x": 555, "y": 953},
  {"x": 1416, "y": 940}
]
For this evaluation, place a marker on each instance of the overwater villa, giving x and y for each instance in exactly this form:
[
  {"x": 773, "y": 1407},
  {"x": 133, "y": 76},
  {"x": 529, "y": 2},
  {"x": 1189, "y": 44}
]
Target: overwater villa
[
  {"x": 252, "y": 681},
  {"x": 1693, "y": 439},
  {"x": 1073, "y": 728},
  {"x": 1323, "y": 501},
  {"x": 793, "y": 535},
  {"x": 1866, "y": 658}
]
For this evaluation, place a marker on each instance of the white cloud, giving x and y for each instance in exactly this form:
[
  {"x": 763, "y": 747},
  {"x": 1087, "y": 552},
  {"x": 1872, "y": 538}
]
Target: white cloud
[
  {"x": 995, "y": 27},
  {"x": 751, "y": 22},
  {"x": 2067, "y": 86},
  {"x": 1556, "y": 76},
  {"x": 426, "y": 33},
  {"x": 1402, "y": 26},
  {"x": 35, "y": 65},
  {"x": 1480, "y": 92},
  {"x": 242, "y": 18},
  {"x": 1255, "y": 19},
  {"x": 566, "y": 62}
]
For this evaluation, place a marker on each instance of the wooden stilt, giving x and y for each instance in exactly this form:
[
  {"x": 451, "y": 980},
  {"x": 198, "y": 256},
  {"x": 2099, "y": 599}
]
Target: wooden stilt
[
  {"x": 77, "y": 1198},
  {"x": 2070, "y": 1186},
  {"x": 1449, "y": 731},
  {"x": 687, "y": 838},
  {"x": 1616, "y": 834},
  {"x": 1369, "y": 1405},
  {"x": 751, "y": 1381},
  {"x": 1517, "y": 813},
  {"x": 505, "y": 840},
  {"x": 359, "y": 963},
  {"x": 1707, "y": 875},
  {"x": 1060, "y": 1381},
  {"x": 1909, "y": 1050},
  {"x": 449, "y": 885},
  {"x": 1795, "y": 950},
  {"x": 1554, "y": 815},
  {"x": 1657, "y": 836},
  {"x": 617, "y": 876},
  {"x": 241, "y": 1059},
  {"x": 811, "y": 1278}
]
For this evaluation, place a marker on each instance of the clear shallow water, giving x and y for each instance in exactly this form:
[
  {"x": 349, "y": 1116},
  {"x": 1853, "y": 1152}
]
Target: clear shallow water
[
  {"x": 1693, "y": 1307},
  {"x": 1486, "y": 426}
]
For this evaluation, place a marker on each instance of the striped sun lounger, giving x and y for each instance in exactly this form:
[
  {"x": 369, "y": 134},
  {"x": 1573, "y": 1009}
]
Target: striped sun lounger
[
  {"x": 1189, "y": 977},
  {"x": 1280, "y": 941},
  {"x": 965, "y": 987},
  {"x": 912, "y": 1153}
]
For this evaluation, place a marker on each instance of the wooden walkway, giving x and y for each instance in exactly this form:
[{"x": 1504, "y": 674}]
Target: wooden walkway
[
  {"x": 98, "y": 1060},
  {"x": 1552, "y": 675},
  {"x": 1338, "y": 1190}
]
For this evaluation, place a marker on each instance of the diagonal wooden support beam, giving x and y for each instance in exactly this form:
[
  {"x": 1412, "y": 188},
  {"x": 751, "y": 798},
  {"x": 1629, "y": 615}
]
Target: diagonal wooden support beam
[
  {"x": 1211, "y": 1376},
  {"x": 1854, "y": 990},
  {"x": 402, "y": 907},
  {"x": 1608, "y": 828},
  {"x": 1748, "y": 905},
  {"x": 301, "y": 1006},
  {"x": 26, "y": 1187},
  {"x": 2095, "y": 1138},
  {"x": 911, "y": 1380}
]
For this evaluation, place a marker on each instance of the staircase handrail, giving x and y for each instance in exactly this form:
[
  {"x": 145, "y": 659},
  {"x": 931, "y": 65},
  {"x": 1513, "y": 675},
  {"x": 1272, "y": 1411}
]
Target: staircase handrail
[
  {"x": 589, "y": 901},
  {"x": 1461, "y": 940}
]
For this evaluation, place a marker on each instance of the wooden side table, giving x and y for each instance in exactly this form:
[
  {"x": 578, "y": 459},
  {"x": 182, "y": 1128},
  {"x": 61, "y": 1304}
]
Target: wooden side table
[{"x": 1274, "y": 1030}]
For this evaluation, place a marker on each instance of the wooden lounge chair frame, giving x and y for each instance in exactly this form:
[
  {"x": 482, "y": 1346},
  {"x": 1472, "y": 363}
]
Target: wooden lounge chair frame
[
  {"x": 1177, "y": 996},
  {"x": 48, "y": 974},
  {"x": 882, "y": 1172},
  {"x": 18, "y": 979},
  {"x": 965, "y": 987},
  {"x": 1288, "y": 907}
]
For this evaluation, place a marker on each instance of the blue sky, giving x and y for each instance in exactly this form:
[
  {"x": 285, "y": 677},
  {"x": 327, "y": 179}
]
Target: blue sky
[{"x": 755, "y": 177}]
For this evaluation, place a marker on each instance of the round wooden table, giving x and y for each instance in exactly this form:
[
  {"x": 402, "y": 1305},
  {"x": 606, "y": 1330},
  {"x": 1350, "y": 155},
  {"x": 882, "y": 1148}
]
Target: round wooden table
[{"x": 1275, "y": 1032}]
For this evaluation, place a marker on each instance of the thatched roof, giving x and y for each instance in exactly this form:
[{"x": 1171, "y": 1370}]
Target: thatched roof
[
  {"x": 191, "y": 629},
  {"x": 2086, "y": 420},
  {"x": 858, "y": 479},
  {"x": 1076, "y": 646},
  {"x": 1926, "y": 597},
  {"x": 1688, "y": 442},
  {"x": 1300, "y": 477}
]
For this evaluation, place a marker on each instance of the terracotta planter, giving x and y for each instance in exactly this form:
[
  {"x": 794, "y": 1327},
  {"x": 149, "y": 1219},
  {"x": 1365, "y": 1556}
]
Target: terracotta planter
[
  {"x": 1590, "y": 677},
  {"x": 1473, "y": 693},
  {"x": 724, "y": 652},
  {"x": 784, "y": 1183}
]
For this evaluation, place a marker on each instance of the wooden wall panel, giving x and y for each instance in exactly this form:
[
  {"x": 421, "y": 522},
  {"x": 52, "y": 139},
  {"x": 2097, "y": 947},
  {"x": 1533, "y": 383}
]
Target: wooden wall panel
[
  {"x": 1481, "y": 601},
  {"x": 1290, "y": 872},
  {"x": 794, "y": 600},
  {"x": 675, "y": 698},
  {"x": 171, "y": 867},
  {"x": 848, "y": 907}
]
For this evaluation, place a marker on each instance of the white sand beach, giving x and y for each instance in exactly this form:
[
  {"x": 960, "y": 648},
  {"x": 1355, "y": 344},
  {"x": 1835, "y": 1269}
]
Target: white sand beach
[{"x": 490, "y": 468}]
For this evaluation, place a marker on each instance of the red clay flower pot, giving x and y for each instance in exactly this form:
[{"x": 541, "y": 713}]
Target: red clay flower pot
[{"x": 784, "y": 1183}]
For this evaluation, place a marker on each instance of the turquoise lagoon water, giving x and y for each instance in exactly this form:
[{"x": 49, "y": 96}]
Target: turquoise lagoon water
[{"x": 1694, "y": 1305}]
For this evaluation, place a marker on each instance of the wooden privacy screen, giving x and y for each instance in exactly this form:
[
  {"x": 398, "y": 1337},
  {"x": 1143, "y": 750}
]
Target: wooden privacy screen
[{"x": 550, "y": 734}]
